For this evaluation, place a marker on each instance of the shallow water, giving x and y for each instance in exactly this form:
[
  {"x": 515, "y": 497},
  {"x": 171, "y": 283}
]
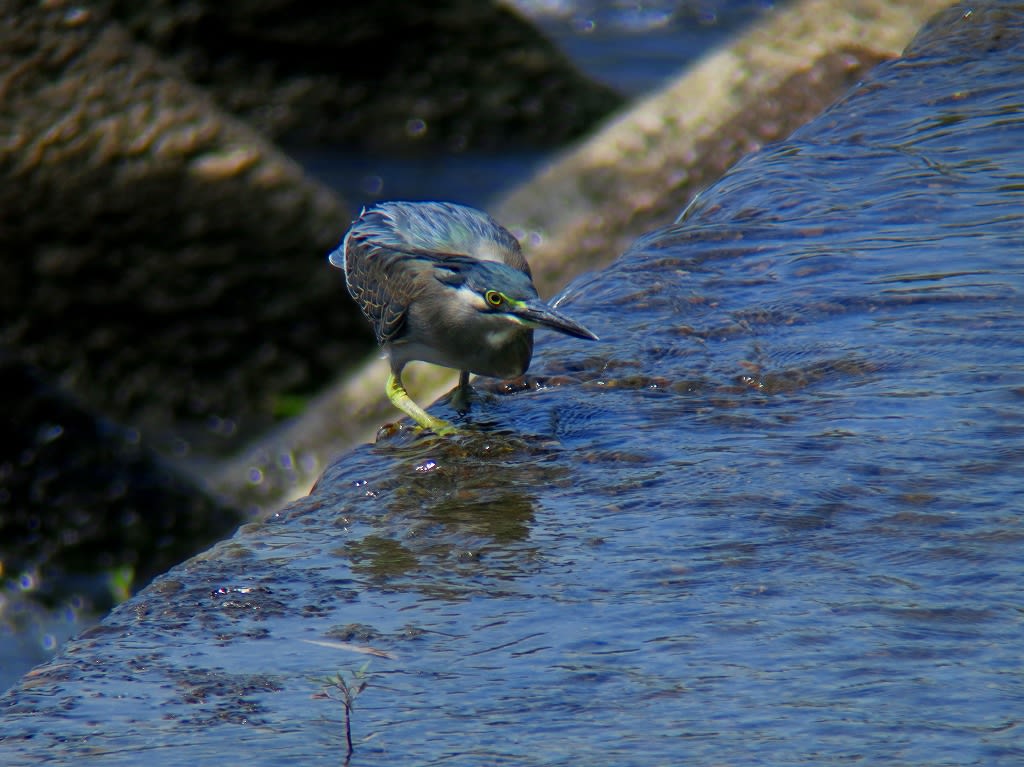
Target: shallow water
[{"x": 774, "y": 517}]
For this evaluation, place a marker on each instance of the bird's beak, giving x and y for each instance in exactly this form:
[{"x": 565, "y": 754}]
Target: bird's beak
[{"x": 540, "y": 315}]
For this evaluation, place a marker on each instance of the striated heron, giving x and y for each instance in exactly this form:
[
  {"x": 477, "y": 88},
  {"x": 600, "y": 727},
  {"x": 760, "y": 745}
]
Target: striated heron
[{"x": 445, "y": 284}]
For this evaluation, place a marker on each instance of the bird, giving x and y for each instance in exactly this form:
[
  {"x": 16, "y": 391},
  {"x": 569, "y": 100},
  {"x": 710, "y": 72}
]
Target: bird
[{"x": 446, "y": 284}]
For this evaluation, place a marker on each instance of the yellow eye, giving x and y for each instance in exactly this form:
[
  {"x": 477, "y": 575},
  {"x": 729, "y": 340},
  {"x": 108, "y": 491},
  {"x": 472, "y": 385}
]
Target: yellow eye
[{"x": 494, "y": 298}]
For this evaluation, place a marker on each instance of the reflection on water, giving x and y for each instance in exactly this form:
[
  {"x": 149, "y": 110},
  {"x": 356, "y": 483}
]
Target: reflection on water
[
  {"x": 456, "y": 509},
  {"x": 774, "y": 518}
]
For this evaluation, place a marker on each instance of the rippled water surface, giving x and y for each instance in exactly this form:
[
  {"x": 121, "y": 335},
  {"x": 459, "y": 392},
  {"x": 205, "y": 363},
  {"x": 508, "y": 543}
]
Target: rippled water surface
[{"x": 774, "y": 517}]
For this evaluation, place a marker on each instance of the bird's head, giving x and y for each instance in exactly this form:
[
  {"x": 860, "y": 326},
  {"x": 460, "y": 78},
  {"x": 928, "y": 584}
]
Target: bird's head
[{"x": 499, "y": 292}]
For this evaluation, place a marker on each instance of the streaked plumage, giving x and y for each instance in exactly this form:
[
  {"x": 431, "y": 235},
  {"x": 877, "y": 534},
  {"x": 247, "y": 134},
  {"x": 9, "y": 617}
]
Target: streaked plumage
[{"x": 445, "y": 284}]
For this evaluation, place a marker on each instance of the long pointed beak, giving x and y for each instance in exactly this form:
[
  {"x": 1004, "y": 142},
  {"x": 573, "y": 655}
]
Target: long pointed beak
[{"x": 539, "y": 314}]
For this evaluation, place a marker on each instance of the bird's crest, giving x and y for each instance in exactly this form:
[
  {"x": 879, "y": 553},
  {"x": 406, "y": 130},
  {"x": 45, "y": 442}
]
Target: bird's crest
[{"x": 439, "y": 229}]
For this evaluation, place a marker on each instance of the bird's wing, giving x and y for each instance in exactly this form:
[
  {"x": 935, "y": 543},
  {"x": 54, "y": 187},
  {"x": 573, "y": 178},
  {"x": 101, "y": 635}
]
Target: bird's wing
[{"x": 384, "y": 282}]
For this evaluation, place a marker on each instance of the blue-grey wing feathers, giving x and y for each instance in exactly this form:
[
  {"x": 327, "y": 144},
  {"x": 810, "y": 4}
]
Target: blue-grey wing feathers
[{"x": 393, "y": 248}]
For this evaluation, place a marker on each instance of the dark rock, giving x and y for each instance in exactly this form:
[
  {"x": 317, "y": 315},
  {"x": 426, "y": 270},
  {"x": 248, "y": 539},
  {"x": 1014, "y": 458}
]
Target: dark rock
[
  {"x": 400, "y": 74},
  {"x": 82, "y": 499},
  {"x": 164, "y": 261}
]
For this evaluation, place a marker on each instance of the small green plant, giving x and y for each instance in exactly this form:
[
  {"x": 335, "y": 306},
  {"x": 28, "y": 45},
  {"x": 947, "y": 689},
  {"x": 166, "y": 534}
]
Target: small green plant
[
  {"x": 119, "y": 581},
  {"x": 337, "y": 687},
  {"x": 288, "y": 405}
]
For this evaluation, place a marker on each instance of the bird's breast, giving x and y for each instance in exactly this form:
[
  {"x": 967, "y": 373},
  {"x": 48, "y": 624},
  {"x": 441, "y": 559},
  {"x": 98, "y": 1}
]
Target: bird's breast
[{"x": 500, "y": 352}]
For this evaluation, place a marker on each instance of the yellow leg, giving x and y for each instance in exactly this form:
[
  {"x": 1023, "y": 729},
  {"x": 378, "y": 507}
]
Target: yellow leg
[{"x": 400, "y": 398}]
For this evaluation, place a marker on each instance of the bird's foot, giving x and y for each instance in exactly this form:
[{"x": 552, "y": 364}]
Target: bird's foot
[
  {"x": 400, "y": 398},
  {"x": 440, "y": 428}
]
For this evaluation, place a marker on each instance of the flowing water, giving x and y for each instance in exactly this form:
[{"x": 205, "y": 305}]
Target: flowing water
[{"x": 774, "y": 517}]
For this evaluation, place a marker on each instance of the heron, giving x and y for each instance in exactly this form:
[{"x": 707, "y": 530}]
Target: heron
[{"x": 445, "y": 284}]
